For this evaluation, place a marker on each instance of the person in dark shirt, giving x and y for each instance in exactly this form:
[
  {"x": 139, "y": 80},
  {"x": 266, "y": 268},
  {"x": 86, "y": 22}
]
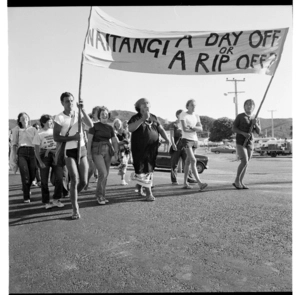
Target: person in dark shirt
[
  {"x": 241, "y": 126},
  {"x": 101, "y": 150},
  {"x": 145, "y": 130},
  {"x": 177, "y": 151}
]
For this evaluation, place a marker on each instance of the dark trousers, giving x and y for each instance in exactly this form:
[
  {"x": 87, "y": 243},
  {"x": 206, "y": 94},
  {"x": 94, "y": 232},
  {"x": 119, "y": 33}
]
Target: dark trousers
[
  {"x": 37, "y": 172},
  {"x": 27, "y": 167},
  {"x": 175, "y": 156},
  {"x": 58, "y": 180}
]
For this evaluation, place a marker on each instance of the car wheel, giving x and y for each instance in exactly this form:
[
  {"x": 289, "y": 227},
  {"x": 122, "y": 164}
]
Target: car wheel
[
  {"x": 233, "y": 152},
  {"x": 200, "y": 168},
  {"x": 217, "y": 152},
  {"x": 273, "y": 154}
]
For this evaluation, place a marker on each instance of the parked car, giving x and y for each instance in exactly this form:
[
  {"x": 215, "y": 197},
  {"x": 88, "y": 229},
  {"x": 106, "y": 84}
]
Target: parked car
[
  {"x": 163, "y": 160},
  {"x": 223, "y": 149}
]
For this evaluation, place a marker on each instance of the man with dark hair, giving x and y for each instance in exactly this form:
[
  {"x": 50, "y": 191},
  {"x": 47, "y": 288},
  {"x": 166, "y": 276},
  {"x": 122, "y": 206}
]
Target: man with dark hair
[{"x": 177, "y": 151}]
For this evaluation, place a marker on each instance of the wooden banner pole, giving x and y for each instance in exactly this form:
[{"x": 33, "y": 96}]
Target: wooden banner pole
[{"x": 79, "y": 95}]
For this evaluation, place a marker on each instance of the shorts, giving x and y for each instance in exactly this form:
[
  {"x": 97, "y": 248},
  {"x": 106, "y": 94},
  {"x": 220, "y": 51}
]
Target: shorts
[
  {"x": 72, "y": 153},
  {"x": 186, "y": 143}
]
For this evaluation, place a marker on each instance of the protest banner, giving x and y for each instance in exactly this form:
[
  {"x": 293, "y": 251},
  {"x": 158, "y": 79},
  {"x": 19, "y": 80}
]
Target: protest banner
[{"x": 112, "y": 44}]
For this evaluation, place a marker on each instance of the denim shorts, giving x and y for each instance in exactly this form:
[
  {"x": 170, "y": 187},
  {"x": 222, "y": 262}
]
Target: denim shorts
[
  {"x": 72, "y": 153},
  {"x": 186, "y": 143}
]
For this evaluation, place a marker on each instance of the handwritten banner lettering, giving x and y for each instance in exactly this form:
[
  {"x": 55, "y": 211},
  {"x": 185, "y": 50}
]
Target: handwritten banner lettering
[{"x": 112, "y": 44}]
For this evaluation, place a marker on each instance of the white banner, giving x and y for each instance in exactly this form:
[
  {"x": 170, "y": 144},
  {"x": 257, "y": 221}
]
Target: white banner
[{"x": 112, "y": 44}]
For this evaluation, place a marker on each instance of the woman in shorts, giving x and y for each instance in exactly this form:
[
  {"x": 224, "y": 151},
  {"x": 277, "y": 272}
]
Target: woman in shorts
[
  {"x": 191, "y": 124},
  {"x": 241, "y": 126}
]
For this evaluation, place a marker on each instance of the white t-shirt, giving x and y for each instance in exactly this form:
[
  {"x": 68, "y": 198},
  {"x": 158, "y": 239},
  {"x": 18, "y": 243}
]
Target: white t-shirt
[
  {"x": 45, "y": 139},
  {"x": 190, "y": 120},
  {"x": 23, "y": 137},
  {"x": 64, "y": 121}
]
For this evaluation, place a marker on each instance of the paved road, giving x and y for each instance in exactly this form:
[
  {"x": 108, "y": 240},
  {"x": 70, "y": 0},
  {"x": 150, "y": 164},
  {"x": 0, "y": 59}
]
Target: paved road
[{"x": 218, "y": 240}]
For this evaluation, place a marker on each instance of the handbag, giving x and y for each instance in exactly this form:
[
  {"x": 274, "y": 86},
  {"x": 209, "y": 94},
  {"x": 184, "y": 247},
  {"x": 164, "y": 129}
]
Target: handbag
[{"x": 59, "y": 158}]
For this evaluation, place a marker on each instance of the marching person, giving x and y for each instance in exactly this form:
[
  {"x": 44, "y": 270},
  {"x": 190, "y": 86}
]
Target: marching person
[
  {"x": 145, "y": 130},
  {"x": 191, "y": 124},
  {"x": 125, "y": 127},
  {"x": 45, "y": 148},
  {"x": 177, "y": 151},
  {"x": 22, "y": 138},
  {"x": 241, "y": 126},
  {"x": 124, "y": 153},
  {"x": 37, "y": 180},
  {"x": 92, "y": 168},
  {"x": 66, "y": 130},
  {"x": 101, "y": 150}
]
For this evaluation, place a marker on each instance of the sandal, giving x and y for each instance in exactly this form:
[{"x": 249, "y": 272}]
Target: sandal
[{"x": 75, "y": 216}]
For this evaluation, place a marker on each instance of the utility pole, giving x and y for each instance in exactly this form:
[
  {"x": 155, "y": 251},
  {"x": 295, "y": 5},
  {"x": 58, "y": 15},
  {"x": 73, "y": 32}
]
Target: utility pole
[
  {"x": 272, "y": 121},
  {"x": 235, "y": 100},
  {"x": 235, "y": 92}
]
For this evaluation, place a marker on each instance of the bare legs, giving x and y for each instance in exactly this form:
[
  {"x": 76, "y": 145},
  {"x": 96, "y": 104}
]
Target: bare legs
[
  {"x": 191, "y": 161},
  {"x": 78, "y": 175},
  {"x": 245, "y": 154}
]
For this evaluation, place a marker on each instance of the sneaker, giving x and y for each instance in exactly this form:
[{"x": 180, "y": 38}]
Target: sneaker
[
  {"x": 75, "y": 216},
  {"x": 150, "y": 198},
  {"x": 39, "y": 184},
  {"x": 48, "y": 206},
  {"x": 57, "y": 203},
  {"x": 106, "y": 201},
  {"x": 34, "y": 183},
  {"x": 175, "y": 183},
  {"x": 101, "y": 201},
  {"x": 26, "y": 201},
  {"x": 124, "y": 182}
]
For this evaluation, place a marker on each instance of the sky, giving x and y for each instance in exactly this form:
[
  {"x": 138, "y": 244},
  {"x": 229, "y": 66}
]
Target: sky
[{"x": 45, "y": 46}]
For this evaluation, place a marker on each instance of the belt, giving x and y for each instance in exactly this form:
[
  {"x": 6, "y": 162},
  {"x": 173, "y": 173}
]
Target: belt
[{"x": 26, "y": 147}]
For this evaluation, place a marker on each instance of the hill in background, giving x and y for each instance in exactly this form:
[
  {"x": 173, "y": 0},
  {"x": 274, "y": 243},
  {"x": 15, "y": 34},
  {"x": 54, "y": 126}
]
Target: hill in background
[{"x": 282, "y": 127}]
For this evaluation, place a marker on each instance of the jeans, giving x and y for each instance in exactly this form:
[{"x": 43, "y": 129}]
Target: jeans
[
  {"x": 175, "y": 156},
  {"x": 58, "y": 182},
  {"x": 102, "y": 158},
  {"x": 27, "y": 166}
]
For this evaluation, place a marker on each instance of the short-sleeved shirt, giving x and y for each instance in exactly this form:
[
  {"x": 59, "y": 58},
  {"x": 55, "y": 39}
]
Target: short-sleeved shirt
[
  {"x": 146, "y": 134},
  {"x": 176, "y": 127},
  {"x": 45, "y": 139},
  {"x": 64, "y": 121},
  {"x": 243, "y": 123},
  {"x": 102, "y": 132},
  {"x": 23, "y": 137},
  {"x": 190, "y": 120}
]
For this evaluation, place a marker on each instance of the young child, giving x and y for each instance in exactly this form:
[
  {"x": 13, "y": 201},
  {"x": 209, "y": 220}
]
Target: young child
[
  {"x": 123, "y": 155},
  {"x": 241, "y": 126}
]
